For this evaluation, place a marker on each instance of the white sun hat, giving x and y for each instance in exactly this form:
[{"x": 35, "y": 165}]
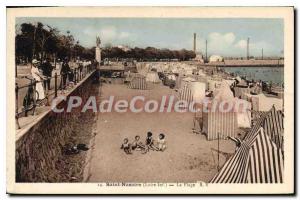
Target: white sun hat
[{"x": 35, "y": 61}]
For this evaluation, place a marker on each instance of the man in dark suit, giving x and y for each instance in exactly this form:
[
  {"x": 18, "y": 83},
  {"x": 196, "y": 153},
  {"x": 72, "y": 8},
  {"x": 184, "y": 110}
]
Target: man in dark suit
[{"x": 47, "y": 69}]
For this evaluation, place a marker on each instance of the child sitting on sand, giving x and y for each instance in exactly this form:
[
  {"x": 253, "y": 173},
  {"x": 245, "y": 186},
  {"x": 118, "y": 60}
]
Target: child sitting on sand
[
  {"x": 161, "y": 142},
  {"x": 137, "y": 144},
  {"x": 126, "y": 146},
  {"x": 149, "y": 143}
]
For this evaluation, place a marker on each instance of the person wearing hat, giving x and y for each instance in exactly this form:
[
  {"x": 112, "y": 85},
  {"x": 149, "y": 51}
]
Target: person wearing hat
[
  {"x": 65, "y": 70},
  {"x": 38, "y": 77}
]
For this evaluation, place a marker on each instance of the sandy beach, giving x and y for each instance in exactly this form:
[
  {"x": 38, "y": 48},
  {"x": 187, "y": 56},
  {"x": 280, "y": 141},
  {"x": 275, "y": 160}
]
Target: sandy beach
[{"x": 188, "y": 157}]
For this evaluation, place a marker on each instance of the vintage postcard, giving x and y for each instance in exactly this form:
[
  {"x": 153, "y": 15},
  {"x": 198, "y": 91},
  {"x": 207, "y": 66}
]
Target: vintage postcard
[{"x": 150, "y": 100}]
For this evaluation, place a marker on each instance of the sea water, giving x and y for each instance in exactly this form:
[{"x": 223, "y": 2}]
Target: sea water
[{"x": 269, "y": 74}]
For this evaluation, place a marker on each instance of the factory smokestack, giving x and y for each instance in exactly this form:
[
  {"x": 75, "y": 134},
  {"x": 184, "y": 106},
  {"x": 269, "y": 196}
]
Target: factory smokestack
[{"x": 195, "y": 38}]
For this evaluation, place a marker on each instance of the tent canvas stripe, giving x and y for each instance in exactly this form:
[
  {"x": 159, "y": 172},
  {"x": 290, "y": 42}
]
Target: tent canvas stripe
[
  {"x": 273, "y": 126},
  {"x": 223, "y": 123},
  {"x": 231, "y": 167},
  {"x": 186, "y": 94},
  {"x": 268, "y": 161}
]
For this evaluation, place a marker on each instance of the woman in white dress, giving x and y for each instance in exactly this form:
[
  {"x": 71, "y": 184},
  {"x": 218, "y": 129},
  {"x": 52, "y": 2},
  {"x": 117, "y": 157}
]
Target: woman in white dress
[{"x": 39, "y": 78}]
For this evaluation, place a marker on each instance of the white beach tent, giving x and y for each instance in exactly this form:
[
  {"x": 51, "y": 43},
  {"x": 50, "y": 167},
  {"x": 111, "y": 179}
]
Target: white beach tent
[
  {"x": 198, "y": 90},
  {"x": 223, "y": 92},
  {"x": 242, "y": 107},
  {"x": 152, "y": 77}
]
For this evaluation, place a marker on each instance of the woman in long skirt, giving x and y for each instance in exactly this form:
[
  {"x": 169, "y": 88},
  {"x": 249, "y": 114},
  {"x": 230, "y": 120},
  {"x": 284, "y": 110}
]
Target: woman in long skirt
[{"x": 38, "y": 77}]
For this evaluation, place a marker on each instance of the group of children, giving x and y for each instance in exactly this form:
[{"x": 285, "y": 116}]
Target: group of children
[{"x": 150, "y": 144}]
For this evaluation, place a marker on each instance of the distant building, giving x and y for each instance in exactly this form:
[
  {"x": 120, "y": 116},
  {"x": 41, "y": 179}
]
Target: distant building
[{"x": 216, "y": 58}]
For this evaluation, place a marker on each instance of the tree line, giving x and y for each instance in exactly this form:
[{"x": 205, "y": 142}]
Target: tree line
[
  {"x": 43, "y": 41},
  {"x": 147, "y": 54}
]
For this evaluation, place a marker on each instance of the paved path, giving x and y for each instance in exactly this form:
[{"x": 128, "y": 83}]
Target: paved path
[{"x": 188, "y": 157}]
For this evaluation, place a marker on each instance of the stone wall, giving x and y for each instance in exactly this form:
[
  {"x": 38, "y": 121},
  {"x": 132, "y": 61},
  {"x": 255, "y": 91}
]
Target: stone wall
[{"x": 39, "y": 152}]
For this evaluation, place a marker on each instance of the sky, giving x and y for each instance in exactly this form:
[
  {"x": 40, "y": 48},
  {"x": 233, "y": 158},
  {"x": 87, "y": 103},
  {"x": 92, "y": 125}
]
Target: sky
[{"x": 226, "y": 37}]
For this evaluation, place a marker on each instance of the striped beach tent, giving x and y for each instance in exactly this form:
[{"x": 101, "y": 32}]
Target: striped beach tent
[
  {"x": 272, "y": 122},
  {"x": 138, "y": 82},
  {"x": 258, "y": 160},
  {"x": 185, "y": 93},
  {"x": 192, "y": 91},
  {"x": 220, "y": 125}
]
